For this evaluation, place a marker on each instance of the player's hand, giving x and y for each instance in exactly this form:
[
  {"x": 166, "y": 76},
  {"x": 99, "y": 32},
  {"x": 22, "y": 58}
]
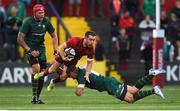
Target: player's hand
[
  {"x": 66, "y": 59},
  {"x": 35, "y": 53},
  {"x": 87, "y": 78},
  {"x": 55, "y": 52}
]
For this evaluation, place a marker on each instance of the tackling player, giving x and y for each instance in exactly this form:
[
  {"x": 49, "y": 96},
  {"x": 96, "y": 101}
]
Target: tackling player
[
  {"x": 82, "y": 47},
  {"x": 121, "y": 91},
  {"x": 31, "y": 38}
]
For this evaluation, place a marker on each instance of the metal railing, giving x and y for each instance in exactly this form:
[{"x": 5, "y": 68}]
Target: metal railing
[{"x": 51, "y": 6}]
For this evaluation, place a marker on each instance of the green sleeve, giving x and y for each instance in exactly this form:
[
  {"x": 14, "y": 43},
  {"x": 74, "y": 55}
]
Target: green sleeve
[
  {"x": 25, "y": 27},
  {"x": 81, "y": 79},
  {"x": 50, "y": 28}
]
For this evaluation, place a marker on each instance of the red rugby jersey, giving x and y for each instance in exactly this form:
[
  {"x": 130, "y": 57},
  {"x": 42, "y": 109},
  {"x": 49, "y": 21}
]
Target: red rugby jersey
[{"x": 77, "y": 44}]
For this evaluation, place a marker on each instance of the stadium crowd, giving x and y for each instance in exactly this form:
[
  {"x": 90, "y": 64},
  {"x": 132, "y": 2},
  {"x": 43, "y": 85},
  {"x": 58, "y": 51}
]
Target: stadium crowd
[{"x": 126, "y": 18}]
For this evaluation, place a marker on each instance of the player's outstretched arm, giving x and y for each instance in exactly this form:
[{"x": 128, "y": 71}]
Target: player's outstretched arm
[{"x": 88, "y": 70}]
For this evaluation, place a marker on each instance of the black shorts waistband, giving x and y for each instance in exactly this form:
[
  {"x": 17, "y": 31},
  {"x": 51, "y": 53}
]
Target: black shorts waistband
[{"x": 123, "y": 94}]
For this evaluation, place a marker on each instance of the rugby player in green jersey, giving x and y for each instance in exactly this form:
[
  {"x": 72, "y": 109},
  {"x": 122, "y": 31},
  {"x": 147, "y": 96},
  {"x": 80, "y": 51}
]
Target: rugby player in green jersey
[
  {"x": 121, "y": 91},
  {"x": 31, "y": 38}
]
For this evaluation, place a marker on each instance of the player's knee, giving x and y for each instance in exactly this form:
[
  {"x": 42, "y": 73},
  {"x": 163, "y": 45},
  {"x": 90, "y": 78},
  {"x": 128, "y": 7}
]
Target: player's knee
[
  {"x": 63, "y": 77},
  {"x": 51, "y": 70},
  {"x": 132, "y": 89},
  {"x": 35, "y": 69}
]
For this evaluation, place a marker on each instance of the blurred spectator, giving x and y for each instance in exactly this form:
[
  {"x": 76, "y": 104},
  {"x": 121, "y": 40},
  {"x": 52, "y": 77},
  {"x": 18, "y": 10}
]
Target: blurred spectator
[
  {"x": 174, "y": 33},
  {"x": 146, "y": 27},
  {"x": 116, "y": 9},
  {"x": 173, "y": 27},
  {"x": 2, "y": 23},
  {"x": 164, "y": 20},
  {"x": 131, "y": 6},
  {"x": 126, "y": 21},
  {"x": 74, "y": 5},
  {"x": 146, "y": 54},
  {"x": 168, "y": 50},
  {"x": 149, "y": 8},
  {"x": 176, "y": 9},
  {"x": 178, "y": 48},
  {"x": 26, "y": 2},
  {"x": 147, "y": 23},
  {"x": 15, "y": 15},
  {"x": 92, "y": 5},
  {"x": 114, "y": 31},
  {"x": 99, "y": 50},
  {"x": 122, "y": 45},
  {"x": 16, "y": 10}
]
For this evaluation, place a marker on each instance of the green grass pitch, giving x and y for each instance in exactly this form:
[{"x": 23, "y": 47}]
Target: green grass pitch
[{"x": 63, "y": 98}]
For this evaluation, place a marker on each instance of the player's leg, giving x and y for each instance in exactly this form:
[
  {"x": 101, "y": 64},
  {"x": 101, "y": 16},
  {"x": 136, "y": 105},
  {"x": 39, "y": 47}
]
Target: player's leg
[
  {"x": 158, "y": 91},
  {"x": 146, "y": 79},
  {"x": 35, "y": 69},
  {"x": 132, "y": 97},
  {"x": 53, "y": 82},
  {"x": 41, "y": 81},
  {"x": 61, "y": 78},
  {"x": 49, "y": 70},
  {"x": 129, "y": 97},
  {"x": 143, "y": 81},
  {"x": 141, "y": 94},
  {"x": 63, "y": 75}
]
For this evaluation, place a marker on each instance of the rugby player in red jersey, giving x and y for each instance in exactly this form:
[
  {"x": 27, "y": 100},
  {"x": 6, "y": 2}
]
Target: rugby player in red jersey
[{"x": 82, "y": 47}]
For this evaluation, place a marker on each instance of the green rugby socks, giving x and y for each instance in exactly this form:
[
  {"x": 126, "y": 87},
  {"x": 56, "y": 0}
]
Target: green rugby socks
[
  {"x": 141, "y": 94},
  {"x": 144, "y": 80}
]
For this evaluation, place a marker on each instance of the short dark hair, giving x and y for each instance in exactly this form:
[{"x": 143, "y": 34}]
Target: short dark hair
[{"x": 90, "y": 33}]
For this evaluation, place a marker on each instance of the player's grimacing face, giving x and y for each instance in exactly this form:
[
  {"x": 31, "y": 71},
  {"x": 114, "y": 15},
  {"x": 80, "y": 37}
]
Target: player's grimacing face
[
  {"x": 90, "y": 40},
  {"x": 40, "y": 15}
]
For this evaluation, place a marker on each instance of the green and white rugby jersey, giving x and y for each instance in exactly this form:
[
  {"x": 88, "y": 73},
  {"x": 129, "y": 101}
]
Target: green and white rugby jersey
[{"x": 35, "y": 32}]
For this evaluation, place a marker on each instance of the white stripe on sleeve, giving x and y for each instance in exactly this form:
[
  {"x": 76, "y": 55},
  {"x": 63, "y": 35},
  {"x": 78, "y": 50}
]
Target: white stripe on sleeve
[
  {"x": 81, "y": 85},
  {"x": 90, "y": 59}
]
